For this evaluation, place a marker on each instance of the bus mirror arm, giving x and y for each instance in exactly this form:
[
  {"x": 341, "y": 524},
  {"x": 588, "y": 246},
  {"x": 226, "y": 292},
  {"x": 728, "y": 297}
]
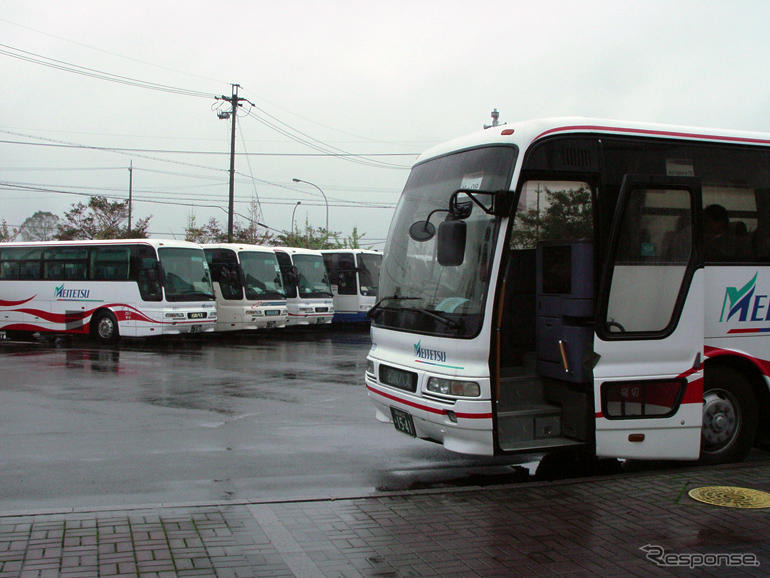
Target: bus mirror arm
[{"x": 501, "y": 203}]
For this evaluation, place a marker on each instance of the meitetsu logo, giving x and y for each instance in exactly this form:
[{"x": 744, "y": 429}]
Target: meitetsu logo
[
  {"x": 745, "y": 304},
  {"x": 429, "y": 354},
  {"x": 61, "y": 293}
]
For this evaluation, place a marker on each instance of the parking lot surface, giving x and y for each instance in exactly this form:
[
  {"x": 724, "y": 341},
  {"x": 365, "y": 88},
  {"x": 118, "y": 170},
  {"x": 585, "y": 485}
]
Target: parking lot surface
[{"x": 640, "y": 524}]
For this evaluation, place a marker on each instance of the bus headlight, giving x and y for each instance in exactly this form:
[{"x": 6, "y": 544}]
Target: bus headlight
[
  {"x": 174, "y": 316},
  {"x": 454, "y": 387},
  {"x": 370, "y": 367}
]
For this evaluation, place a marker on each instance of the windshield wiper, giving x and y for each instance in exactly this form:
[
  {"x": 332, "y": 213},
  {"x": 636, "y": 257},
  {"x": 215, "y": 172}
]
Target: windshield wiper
[
  {"x": 380, "y": 307},
  {"x": 196, "y": 294},
  {"x": 451, "y": 322},
  {"x": 435, "y": 315}
]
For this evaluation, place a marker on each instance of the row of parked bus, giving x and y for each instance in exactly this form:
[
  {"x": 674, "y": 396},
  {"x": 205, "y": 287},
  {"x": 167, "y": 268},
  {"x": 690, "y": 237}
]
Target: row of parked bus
[{"x": 144, "y": 287}]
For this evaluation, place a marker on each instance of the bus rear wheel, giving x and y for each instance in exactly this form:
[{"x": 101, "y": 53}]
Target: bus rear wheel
[
  {"x": 104, "y": 327},
  {"x": 729, "y": 416}
]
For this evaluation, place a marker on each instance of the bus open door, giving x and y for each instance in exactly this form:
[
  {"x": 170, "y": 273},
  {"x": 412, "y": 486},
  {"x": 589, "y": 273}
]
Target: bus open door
[{"x": 648, "y": 377}]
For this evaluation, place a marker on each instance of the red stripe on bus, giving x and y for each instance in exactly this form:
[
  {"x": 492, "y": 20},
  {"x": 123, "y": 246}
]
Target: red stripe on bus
[
  {"x": 653, "y": 132},
  {"x": 55, "y": 317},
  {"x": 28, "y": 327},
  {"x": 133, "y": 315},
  {"x": 762, "y": 364},
  {"x": 428, "y": 408},
  {"x": 4, "y": 303},
  {"x": 693, "y": 392}
]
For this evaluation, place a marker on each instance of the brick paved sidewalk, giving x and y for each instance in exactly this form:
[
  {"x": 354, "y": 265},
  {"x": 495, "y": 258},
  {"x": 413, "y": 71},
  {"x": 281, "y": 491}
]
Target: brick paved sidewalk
[{"x": 579, "y": 527}]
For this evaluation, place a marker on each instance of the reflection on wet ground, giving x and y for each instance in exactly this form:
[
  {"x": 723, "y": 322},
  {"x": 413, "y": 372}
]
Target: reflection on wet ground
[
  {"x": 255, "y": 416},
  {"x": 207, "y": 372}
]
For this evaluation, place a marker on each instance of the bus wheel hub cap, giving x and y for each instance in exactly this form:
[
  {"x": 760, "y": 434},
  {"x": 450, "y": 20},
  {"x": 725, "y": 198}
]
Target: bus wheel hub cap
[{"x": 719, "y": 420}]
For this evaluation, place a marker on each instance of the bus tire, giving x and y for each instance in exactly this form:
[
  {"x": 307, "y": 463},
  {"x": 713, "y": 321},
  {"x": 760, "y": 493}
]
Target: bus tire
[
  {"x": 104, "y": 327},
  {"x": 729, "y": 416}
]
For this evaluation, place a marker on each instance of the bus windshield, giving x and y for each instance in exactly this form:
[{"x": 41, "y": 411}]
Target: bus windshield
[
  {"x": 369, "y": 273},
  {"x": 262, "y": 276},
  {"x": 313, "y": 280},
  {"x": 415, "y": 292},
  {"x": 185, "y": 274}
]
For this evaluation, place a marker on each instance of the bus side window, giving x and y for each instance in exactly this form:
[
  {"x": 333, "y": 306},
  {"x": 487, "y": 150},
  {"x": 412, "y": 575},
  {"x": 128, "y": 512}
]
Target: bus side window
[
  {"x": 110, "y": 263},
  {"x": 229, "y": 281},
  {"x": 144, "y": 270},
  {"x": 149, "y": 287},
  {"x": 346, "y": 279},
  {"x": 287, "y": 274}
]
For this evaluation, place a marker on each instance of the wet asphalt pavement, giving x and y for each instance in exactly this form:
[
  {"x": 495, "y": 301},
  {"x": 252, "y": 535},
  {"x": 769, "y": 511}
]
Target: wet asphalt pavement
[{"x": 264, "y": 416}]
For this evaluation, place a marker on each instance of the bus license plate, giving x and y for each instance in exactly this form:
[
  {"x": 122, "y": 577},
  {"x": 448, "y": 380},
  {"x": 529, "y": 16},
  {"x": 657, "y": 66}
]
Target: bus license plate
[
  {"x": 195, "y": 328},
  {"x": 403, "y": 421},
  {"x": 272, "y": 312}
]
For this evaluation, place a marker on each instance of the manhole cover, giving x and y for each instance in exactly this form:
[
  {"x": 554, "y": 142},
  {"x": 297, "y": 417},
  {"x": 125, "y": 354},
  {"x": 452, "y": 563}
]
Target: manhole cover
[{"x": 731, "y": 497}]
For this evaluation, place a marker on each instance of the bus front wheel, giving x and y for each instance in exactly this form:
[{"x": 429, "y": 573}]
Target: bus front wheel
[
  {"x": 105, "y": 327},
  {"x": 729, "y": 416}
]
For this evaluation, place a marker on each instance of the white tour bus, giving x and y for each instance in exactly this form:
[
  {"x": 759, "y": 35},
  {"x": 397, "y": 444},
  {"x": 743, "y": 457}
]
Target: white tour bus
[
  {"x": 308, "y": 292},
  {"x": 126, "y": 287},
  {"x": 354, "y": 275},
  {"x": 248, "y": 286},
  {"x": 570, "y": 282}
]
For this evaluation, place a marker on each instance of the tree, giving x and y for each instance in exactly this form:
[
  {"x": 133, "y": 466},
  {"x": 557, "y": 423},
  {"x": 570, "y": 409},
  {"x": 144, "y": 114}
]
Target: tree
[
  {"x": 354, "y": 241},
  {"x": 319, "y": 238},
  {"x": 100, "y": 219},
  {"x": 251, "y": 233},
  {"x": 211, "y": 232},
  {"x": 7, "y": 233},
  {"x": 567, "y": 216},
  {"x": 310, "y": 238},
  {"x": 41, "y": 226}
]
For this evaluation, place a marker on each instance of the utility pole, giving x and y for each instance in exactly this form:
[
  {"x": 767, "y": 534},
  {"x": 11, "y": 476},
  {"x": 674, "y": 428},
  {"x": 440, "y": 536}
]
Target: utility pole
[
  {"x": 130, "y": 192},
  {"x": 235, "y": 102}
]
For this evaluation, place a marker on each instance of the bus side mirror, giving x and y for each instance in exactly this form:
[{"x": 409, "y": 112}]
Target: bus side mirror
[
  {"x": 451, "y": 243},
  {"x": 422, "y": 230}
]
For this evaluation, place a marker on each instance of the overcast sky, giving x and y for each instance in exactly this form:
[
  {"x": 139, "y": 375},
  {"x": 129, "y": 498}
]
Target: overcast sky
[{"x": 387, "y": 78}]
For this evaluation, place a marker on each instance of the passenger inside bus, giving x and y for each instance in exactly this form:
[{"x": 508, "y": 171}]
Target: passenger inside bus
[{"x": 721, "y": 241}]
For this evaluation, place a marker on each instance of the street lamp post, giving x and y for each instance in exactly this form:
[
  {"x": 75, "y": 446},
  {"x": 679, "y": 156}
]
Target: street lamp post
[
  {"x": 326, "y": 201},
  {"x": 294, "y": 210}
]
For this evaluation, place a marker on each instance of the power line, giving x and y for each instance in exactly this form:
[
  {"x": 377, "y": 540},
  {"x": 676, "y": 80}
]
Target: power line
[
  {"x": 192, "y": 152},
  {"x": 154, "y": 64},
  {"x": 338, "y": 202},
  {"x": 22, "y": 187},
  {"x": 57, "y": 169},
  {"x": 251, "y": 173},
  {"x": 54, "y": 142},
  {"x": 42, "y": 60},
  {"x": 311, "y": 142}
]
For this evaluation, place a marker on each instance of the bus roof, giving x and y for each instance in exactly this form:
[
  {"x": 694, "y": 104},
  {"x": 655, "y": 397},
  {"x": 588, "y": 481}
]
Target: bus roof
[
  {"x": 298, "y": 251},
  {"x": 523, "y": 134},
  {"x": 238, "y": 247},
  {"x": 152, "y": 242},
  {"x": 358, "y": 251}
]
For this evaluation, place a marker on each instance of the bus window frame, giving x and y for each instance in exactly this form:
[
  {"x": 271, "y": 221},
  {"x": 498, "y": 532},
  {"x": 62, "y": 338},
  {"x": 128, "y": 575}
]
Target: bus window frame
[{"x": 630, "y": 184}]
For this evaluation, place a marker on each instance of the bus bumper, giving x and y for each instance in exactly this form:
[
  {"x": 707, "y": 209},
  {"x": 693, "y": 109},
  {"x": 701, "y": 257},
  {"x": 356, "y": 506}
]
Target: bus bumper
[
  {"x": 350, "y": 317},
  {"x": 308, "y": 319},
  {"x": 464, "y": 426}
]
